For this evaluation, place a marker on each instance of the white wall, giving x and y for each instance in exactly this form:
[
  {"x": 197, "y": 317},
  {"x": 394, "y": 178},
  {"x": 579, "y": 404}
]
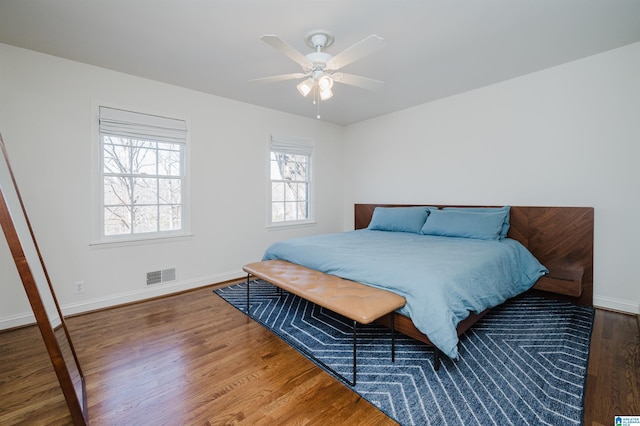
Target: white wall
[
  {"x": 47, "y": 119},
  {"x": 565, "y": 136}
]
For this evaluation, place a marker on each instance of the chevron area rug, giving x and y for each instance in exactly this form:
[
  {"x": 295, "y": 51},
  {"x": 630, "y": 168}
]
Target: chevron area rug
[{"x": 524, "y": 363}]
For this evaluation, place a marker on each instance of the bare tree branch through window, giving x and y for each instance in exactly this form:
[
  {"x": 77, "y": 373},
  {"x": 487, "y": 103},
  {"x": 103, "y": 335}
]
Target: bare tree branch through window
[{"x": 142, "y": 185}]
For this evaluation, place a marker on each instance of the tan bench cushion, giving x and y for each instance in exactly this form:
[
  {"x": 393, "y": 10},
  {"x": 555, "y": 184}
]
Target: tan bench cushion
[{"x": 354, "y": 300}]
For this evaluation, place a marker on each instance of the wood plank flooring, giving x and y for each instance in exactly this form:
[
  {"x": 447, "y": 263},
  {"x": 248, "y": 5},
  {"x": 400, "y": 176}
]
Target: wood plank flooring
[{"x": 193, "y": 359}]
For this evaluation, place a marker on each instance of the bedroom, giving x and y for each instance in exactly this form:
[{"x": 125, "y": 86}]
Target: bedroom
[{"x": 565, "y": 135}]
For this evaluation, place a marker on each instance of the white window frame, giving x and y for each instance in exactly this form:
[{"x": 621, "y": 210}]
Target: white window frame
[
  {"x": 144, "y": 125},
  {"x": 296, "y": 147}
]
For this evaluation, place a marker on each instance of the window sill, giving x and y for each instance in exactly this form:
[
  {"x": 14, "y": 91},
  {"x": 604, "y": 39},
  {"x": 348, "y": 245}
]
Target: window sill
[
  {"x": 140, "y": 241},
  {"x": 290, "y": 225}
]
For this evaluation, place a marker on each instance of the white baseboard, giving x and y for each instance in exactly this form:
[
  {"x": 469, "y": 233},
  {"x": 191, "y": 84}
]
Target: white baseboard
[
  {"x": 147, "y": 293},
  {"x": 17, "y": 320},
  {"x": 616, "y": 304},
  {"x": 123, "y": 298}
]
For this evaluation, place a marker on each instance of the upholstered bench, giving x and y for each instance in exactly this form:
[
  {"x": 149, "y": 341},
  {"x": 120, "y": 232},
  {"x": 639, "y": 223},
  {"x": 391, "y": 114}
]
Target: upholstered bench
[{"x": 358, "y": 302}]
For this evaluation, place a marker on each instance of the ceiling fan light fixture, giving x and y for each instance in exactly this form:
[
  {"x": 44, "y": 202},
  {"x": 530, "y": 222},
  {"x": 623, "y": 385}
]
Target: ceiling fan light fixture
[
  {"x": 325, "y": 82},
  {"x": 305, "y": 87},
  {"x": 325, "y": 94}
]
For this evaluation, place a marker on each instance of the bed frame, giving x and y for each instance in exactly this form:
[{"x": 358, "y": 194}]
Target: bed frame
[{"x": 561, "y": 238}]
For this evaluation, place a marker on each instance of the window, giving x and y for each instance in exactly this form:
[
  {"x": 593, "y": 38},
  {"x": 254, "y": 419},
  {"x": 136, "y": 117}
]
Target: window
[
  {"x": 142, "y": 175},
  {"x": 290, "y": 173}
]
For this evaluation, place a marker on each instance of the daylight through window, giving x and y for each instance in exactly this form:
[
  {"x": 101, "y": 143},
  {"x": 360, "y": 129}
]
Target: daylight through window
[
  {"x": 290, "y": 169},
  {"x": 142, "y": 173}
]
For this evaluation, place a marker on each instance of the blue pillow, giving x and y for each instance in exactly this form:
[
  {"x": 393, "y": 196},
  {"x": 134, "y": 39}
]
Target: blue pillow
[
  {"x": 399, "y": 219},
  {"x": 505, "y": 225},
  {"x": 458, "y": 223}
]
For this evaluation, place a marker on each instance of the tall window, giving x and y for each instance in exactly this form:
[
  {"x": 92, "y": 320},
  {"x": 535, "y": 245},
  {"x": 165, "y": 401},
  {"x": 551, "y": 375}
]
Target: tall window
[
  {"x": 290, "y": 169},
  {"x": 142, "y": 174}
]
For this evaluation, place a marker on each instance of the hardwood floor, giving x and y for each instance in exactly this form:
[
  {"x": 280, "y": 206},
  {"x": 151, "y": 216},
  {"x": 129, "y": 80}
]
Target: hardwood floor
[
  {"x": 613, "y": 374},
  {"x": 192, "y": 359}
]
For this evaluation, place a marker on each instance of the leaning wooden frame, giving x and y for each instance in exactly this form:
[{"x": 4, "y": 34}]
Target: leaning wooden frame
[{"x": 37, "y": 284}]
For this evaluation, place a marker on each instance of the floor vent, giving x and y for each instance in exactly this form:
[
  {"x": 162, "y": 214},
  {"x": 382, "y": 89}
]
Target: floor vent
[{"x": 157, "y": 277}]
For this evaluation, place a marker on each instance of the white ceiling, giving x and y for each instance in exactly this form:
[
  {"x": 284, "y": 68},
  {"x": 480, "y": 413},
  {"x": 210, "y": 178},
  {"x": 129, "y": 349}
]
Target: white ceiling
[{"x": 433, "y": 49}]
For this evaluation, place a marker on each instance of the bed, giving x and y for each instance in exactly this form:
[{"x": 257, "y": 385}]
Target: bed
[{"x": 556, "y": 244}]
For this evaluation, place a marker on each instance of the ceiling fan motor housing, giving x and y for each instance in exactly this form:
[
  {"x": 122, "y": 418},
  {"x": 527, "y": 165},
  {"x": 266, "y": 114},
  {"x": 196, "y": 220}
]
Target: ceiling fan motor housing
[
  {"x": 319, "y": 39},
  {"x": 319, "y": 58}
]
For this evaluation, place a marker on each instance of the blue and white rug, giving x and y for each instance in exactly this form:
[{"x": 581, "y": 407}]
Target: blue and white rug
[{"x": 524, "y": 363}]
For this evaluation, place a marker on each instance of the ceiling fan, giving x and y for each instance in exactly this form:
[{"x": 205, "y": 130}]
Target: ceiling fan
[{"x": 320, "y": 68}]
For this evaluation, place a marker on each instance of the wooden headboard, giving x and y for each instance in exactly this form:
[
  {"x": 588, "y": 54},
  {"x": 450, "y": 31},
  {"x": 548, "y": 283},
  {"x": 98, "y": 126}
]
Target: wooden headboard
[{"x": 561, "y": 238}]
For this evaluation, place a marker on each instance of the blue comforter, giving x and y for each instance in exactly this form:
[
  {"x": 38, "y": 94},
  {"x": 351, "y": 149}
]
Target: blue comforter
[{"x": 443, "y": 279}]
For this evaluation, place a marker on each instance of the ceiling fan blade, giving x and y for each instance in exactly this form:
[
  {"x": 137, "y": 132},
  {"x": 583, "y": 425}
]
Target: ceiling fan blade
[
  {"x": 281, "y": 77},
  {"x": 278, "y": 44},
  {"x": 355, "y": 80},
  {"x": 355, "y": 52}
]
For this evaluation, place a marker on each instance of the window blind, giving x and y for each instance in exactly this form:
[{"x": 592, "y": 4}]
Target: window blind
[
  {"x": 291, "y": 146},
  {"x": 118, "y": 122}
]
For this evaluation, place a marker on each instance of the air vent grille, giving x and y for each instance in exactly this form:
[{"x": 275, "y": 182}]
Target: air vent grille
[
  {"x": 157, "y": 277},
  {"x": 168, "y": 274}
]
